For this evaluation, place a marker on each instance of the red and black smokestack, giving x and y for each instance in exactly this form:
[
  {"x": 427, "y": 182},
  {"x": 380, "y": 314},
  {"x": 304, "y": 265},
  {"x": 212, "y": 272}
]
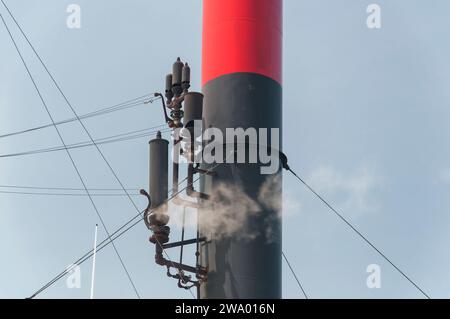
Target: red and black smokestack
[{"x": 241, "y": 78}]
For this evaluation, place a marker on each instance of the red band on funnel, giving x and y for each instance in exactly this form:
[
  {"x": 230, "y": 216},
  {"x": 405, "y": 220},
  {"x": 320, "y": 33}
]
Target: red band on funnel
[{"x": 242, "y": 36}]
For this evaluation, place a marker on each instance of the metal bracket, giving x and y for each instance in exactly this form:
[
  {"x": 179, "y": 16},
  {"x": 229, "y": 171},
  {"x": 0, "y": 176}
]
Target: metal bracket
[
  {"x": 185, "y": 242},
  {"x": 198, "y": 170},
  {"x": 168, "y": 120}
]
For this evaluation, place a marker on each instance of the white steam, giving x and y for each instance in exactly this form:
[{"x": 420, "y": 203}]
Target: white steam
[{"x": 230, "y": 212}]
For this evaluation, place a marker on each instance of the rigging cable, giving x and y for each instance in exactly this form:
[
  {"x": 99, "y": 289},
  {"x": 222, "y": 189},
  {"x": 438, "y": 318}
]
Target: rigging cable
[
  {"x": 295, "y": 275},
  {"x": 65, "y": 188},
  {"x": 145, "y": 99},
  {"x": 104, "y": 243},
  {"x": 81, "y": 123},
  {"x": 67, "y": 151},
  {"x": 101, "y": 141},
  {"x": 63, "y": 194},
  {"x": 342, "y": 218}
]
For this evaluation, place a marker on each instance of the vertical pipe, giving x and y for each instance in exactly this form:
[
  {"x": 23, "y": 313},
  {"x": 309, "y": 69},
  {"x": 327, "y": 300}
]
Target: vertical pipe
[
  {"x": 241, "y": 78},
  {"x": 159, "y": 183},
  {"x": 175, "y": 173},
  {"x": 175, "y": 163}
]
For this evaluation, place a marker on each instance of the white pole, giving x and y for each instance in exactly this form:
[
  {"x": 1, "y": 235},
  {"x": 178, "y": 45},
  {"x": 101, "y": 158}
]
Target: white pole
[{"x": 93, "y": 262}]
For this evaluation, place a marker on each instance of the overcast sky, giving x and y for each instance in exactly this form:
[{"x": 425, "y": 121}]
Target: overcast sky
[{"x": 366, "y": 115}]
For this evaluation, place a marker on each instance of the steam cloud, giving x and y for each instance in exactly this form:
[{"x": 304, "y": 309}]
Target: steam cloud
[{"x": 230, "y": 212}]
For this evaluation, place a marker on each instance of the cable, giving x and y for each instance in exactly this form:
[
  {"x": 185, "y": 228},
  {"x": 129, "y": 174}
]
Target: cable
[
  {"x": 80, "y": 261},
  {"x": 81, "y": 122},
  {"x": 67, "y": 151},
  {"x": 295, "y": 275},
  {"x": 118, "y": 107},
  {"x": 286, "y": 166},
  {"x": 134, "y": 132},
  {"x": 64, "y": 194},
  {"x": 74, "y": 146},
  {"x": 103, "y": 244},
  {"x": 90, "y": 253},
  {"x": 101, "y": 141},
  {"x": 66, "y": 188}
]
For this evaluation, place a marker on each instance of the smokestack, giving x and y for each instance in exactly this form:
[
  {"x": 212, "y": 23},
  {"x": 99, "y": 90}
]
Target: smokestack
[{"x": 241, "y": 79}]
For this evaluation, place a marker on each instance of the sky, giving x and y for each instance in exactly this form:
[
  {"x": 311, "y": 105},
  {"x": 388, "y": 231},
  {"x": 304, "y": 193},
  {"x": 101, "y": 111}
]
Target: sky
[{"x": 365, "y": 122}]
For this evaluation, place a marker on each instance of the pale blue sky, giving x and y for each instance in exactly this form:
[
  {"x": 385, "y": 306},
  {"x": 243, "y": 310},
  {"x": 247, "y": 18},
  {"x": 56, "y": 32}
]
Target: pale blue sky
[{"x": 365, "y": 121}]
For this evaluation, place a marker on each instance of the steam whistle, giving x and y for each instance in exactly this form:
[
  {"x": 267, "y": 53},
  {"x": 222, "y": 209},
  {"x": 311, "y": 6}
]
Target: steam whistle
[{"x": 181, "y": 110}]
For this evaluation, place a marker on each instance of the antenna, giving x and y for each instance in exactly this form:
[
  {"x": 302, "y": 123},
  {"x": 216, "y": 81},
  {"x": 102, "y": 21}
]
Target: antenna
[{"x": 93, "y": 262}]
